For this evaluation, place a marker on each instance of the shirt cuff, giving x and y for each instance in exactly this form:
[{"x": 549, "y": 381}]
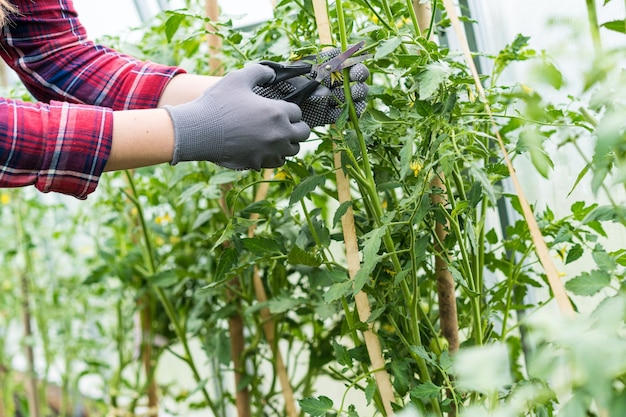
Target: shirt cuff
[{"x": 77, "y": 149}]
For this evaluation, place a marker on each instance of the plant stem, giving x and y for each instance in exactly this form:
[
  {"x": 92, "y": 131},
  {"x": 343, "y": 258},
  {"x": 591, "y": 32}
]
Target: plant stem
[
  {"x": 594, "y": 27},
  {"x": 411, "y": 301},
  {"x": 348, "y": 224},
  {"x": 269, "y": 329},
  {"x": 34, "y": 405},
  {"x": 163, "y": 298}
]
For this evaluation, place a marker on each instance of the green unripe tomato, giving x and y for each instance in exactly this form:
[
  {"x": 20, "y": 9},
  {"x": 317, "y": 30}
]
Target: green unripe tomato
[{"x": 439, "y": 344}]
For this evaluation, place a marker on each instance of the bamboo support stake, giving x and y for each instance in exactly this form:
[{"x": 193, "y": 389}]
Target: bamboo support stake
[
  {"x": 372, "y": 343},
  {"x": 214, "y": 41},
  {"x": 541, "y": 248}
]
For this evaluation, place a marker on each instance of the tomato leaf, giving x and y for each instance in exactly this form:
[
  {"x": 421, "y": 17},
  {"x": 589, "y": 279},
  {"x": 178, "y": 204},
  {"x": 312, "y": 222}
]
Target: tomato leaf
[
  {"x": 588, "y": 283},
  {"x": 316, "y": 407}
]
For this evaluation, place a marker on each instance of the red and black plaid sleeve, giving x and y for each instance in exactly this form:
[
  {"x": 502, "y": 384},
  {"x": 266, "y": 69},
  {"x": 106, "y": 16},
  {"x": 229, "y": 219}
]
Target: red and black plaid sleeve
[
  {"x": 58, "y": 147},
  {"x": 65, "y": 146}
]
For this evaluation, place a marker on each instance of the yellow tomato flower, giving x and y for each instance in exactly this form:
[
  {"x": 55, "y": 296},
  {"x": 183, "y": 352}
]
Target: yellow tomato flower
[
  {"x": 416, "y": 167},
  {"x": 166, "y": 218},
  {"x": 390, "y": 272},
  {"x": 281, "y": 175},
  {"x": 5, "y": 198}
]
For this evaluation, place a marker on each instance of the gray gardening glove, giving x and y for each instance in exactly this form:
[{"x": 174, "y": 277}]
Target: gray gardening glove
[
  {"x": 324, "y": 106},
  {"x": 236, "y": 128}
]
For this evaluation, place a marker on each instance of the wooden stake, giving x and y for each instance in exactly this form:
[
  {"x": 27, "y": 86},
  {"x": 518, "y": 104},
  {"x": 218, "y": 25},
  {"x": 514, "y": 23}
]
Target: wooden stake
[
  {"x": 541, "y": 248},
  {"x": 214, "y": 41},
  {"x": 352, "y": 249}
]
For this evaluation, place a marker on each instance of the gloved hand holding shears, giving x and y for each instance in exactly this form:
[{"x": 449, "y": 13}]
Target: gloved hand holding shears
[
  {"x": 236, "y": 124},
  {"x": 308, "y": 83}
]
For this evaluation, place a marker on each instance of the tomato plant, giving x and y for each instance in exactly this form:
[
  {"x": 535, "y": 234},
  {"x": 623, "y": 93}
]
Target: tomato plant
[{"x": 242, "y": 277}]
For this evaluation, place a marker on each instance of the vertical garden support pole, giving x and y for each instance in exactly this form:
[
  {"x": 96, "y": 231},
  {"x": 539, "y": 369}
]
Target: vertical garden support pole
[
  {"x": 372, "y": 343},
  {"x": 558, "y": 289},
  {"x": 213, "y": 40}
]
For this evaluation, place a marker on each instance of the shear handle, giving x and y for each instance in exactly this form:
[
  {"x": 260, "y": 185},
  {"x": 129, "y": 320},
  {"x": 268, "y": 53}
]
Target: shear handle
[
  {"x": 302, "y": 92},
  {"x": 287, "y": 71}
]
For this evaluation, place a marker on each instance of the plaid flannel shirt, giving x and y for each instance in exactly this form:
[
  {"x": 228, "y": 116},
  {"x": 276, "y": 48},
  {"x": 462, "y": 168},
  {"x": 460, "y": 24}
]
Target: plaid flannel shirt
[{"x": 63, "y": 142}]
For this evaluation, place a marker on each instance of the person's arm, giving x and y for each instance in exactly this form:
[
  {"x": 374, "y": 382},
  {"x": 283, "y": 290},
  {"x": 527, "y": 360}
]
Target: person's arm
[
  {"x": 184, "y": 88},
  {"x": 140, "y": 138},
  {"x": 48, "y": 48}
]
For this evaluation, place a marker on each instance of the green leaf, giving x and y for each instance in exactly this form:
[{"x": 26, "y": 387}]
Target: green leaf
[
  {"x": 316, "y": 407},
  {"x": 172, "y": 24},
  {"x": 604, "y": 261},
  {"x": 370, "y": 390},
  {"x": 341, "y": 354},
  {"x": 492, "y": 236},
  {"x": 164, "y": 279},
  {"x": 588, "y": 283},
  {"x": 426, "y": 391},
  {"x": 548, "y": 73},
  {"x": 605, "y": 213},
  {"x": 341, "y": 211},
  {"x": 475, "y": 194},
  {"x": 401, "y": 371},
  {"x": 620, "y": 256},
  {"x": 361, "y": 277},
  {"x": 202, "y": 218},
  {"x": 372, "y": 242},
  {"x": 283, "y": 304},
  {"x": 387, "y": 47},
  {"x": 574, "y": 254},
  {"x": 225, "y": 263},
  {"x": 616, "y": 25},
  {"x": 262, "y": 245},
  {"x": 336, "y": 291},
  {"x": 436, "y": 73},
  {"x": 406, "y": 155},
  {"x": 307, "y": 186},
  {"x": 298, "y": 256},
  {"x": 581, "y": 175},
  {"x": 515, "y": 51},
  {"x": 532, "y": 141},
  {"x": 480, "y": 175}
]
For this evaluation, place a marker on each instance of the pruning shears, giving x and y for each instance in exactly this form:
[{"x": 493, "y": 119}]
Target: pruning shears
[{"x": 322, "y": 70}]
